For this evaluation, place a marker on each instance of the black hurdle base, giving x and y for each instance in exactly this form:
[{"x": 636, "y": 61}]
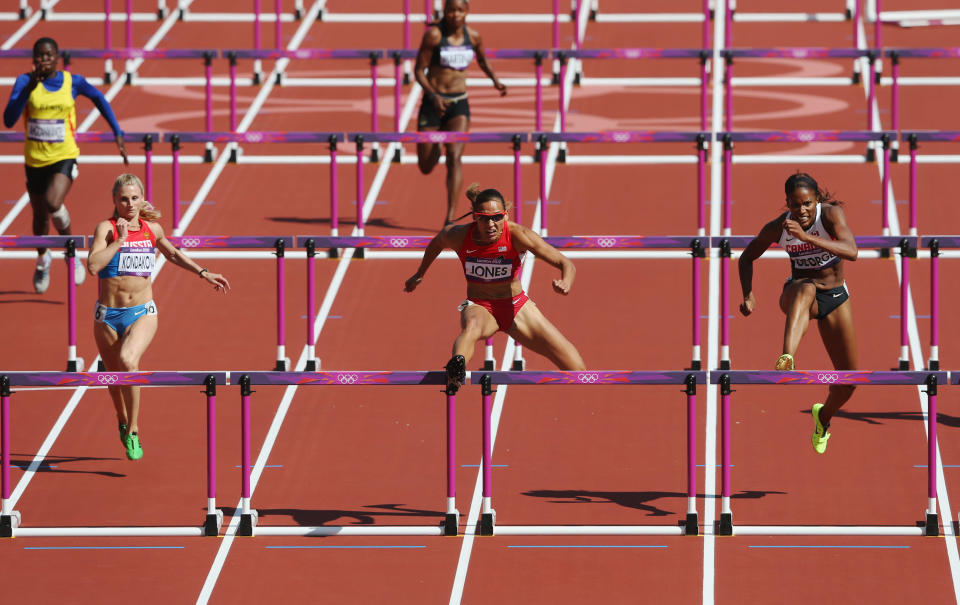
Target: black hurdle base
[
  {"x": 451, "y": 523},
  {"x": 488, "y": 365},
  {"x": 75, "y": 365},
  {"x": 283, "y": 365},
  {"x": 212, "y": 524},
  {"x": 725, "y": 525},
  {"x": 9, "y": 524},
  {"x": 487, "y": 523},
  {"x": 247, "y": 523},
  {"x": 690, "y": 525},
  {"x": 312, "y": 365},
  {"x": 518, "y": 365},
  {"x": 931, "y": 527}
]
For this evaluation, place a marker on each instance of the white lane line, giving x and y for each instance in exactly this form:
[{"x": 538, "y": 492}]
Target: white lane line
[
  {"x": 710, "y": 495},
  {"x": 466, "y": 548}
]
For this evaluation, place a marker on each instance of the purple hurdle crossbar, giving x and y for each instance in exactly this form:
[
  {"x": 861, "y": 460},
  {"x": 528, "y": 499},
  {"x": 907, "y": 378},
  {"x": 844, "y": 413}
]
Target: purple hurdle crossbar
[
  {"x": 70, "y": 243},
  {"x": 830, "y": 378},
  {"x": 345, "y": 378},
  {"x": 100, "y": 379},
  {"x": 589, "y": 378}
]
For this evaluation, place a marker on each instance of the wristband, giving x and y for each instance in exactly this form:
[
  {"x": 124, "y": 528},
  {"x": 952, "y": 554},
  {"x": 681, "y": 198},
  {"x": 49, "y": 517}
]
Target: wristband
[{"x": 202, "y": 271}]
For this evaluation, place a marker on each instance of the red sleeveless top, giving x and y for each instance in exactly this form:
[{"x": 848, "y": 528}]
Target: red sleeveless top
[{"x": 492, "y": 263}]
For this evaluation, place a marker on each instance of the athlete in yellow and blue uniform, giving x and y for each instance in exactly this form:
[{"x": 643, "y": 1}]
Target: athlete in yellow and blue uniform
[{"x": 46, "y": 99}]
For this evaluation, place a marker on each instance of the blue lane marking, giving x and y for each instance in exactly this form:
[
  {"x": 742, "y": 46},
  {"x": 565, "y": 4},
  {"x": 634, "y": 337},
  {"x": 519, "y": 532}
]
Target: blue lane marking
[
  {"x": 341, "y": 546},
  {"x": 587, "y": 546},
  {"x": 478, "y": 466},
  {"x": 264, "y": 466},
  {"x": 101, "y": 547},
  {"x": 824, "y": 546}
]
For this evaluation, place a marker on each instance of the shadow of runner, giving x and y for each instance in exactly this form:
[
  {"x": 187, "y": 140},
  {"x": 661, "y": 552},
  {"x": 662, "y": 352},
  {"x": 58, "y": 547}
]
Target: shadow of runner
[
  {"x": 878, "y": 417},
  {"x": 51, "y": 464},
  {"x": 637, "y": 500},
  {"x": 313, "y": 518},
  {"x": 348, "y": 221}
]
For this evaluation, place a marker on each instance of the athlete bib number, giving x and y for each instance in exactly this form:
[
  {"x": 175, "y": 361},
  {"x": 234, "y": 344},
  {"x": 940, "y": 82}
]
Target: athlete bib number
[
  {"x": 814, "y": 261},
  {"x": 46, "y": 131},
  {"x": 487, "y": 271},
  {"x": 136, "y": 263}
]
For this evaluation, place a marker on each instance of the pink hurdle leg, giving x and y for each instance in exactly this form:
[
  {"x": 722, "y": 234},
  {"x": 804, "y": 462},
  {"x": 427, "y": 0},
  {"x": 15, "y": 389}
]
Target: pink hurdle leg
[
  {"x": 281, "y": 309},
  {"x": 934, "y": 363},
  {"x": 128, "y": 26},
  {"x": 726, "y": 515},
  {"x": 334, "y": 206},
  {"x": 5, "y": 445},
  {"x": 175, "y": 141}
]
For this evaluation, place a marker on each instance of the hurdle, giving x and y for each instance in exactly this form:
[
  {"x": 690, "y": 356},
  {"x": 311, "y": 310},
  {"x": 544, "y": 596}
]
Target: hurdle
[
  {"x": 235, "y": 138},
  {"x": 935, "y": 243},
  {"x": 372, "y": 55},
  {"x": 883, "y": 244},
  {"x": 69, "y": 243},
  {"x": 248, "y": 516},
  {"x": 885, "y": 137},
  {"x": 688, "y": 526},
  {"x": 279, "y": 245},
  {"x": 10, "y": 520},
  {"x": 896, "y": 81},
  {"x": 566, "y": 244},
  {"x": 699, "y": 138},
  {"x": 928, "y": 527},
  {"x": 438, "y": 137},
  {"x": 701, "y": 55},
  {"x": 705, "y": 16},
  {"x": 147, "y": 138}
]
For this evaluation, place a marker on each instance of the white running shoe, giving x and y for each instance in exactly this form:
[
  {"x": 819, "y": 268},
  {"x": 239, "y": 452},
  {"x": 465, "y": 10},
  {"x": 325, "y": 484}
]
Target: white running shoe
[
  {"x": 80, "y": 272},
  {"x": 41, "y": 275}
]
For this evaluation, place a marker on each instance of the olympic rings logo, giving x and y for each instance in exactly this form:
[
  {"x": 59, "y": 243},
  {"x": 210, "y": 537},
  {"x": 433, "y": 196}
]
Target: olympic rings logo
[
  {"x": 806, "y": 137},
  {"x": 347, "y": 378},
  {"x": 252, "y": 137},
  {"x": 632, "y": 53},
  {"x": 607, "y": 242},
  {"x": 588, "y": 377},
  {"x": 107, "y": 378},
  {"x": 620, "y": 137},
  {"x": 190, "y": 242},
  {"x": 301, "y": 54},
  {"x": 437, "y": 137},
  {"x": 399, "y": 242},
  {"x": 828, "y": 378},
  {"x": 799, "y": 53}
]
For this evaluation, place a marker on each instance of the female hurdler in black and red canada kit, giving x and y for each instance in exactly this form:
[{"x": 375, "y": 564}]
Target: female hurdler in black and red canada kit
[
  {"x": 491, "y": 249},
  {"x": 815, "y": 235}
]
